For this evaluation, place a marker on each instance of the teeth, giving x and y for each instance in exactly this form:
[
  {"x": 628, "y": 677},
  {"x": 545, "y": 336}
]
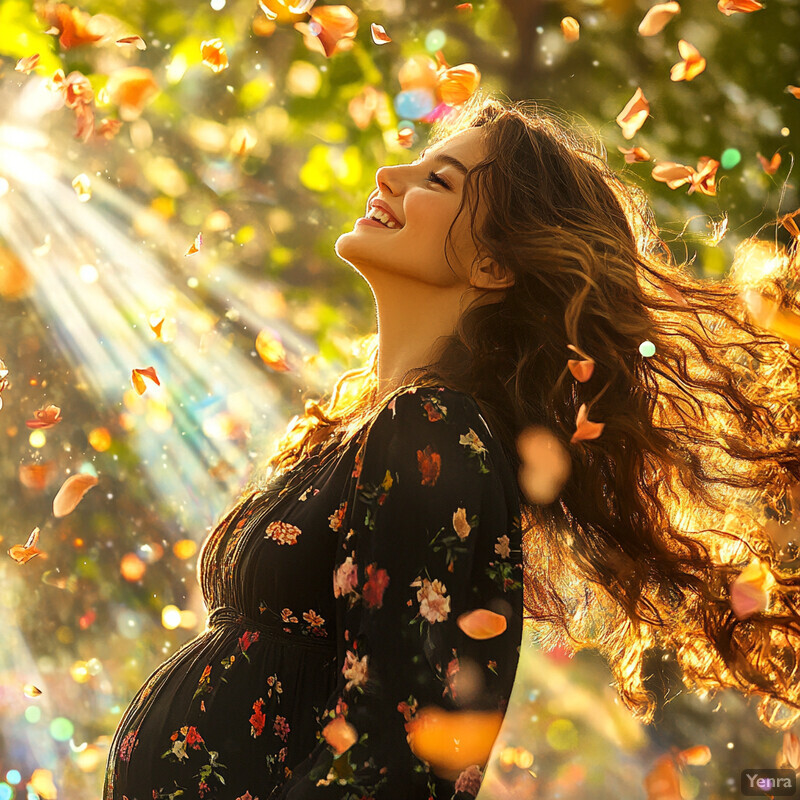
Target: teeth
[{"x": 383, "y": 217}]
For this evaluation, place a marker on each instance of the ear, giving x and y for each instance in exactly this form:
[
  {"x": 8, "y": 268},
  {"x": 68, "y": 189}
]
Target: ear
[{"x": 488, "y": 274}]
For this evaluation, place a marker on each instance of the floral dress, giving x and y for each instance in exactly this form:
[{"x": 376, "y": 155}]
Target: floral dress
[{"x": 379, "y": 581}]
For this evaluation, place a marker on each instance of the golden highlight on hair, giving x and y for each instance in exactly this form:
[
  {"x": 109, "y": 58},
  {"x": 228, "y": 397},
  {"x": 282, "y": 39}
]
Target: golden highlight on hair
[{"x": 701, "y": 443}]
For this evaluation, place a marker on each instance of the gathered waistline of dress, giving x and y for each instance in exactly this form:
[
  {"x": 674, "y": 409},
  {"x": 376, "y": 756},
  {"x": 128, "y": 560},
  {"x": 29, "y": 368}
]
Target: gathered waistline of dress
[{"x": 222, "y": 616}]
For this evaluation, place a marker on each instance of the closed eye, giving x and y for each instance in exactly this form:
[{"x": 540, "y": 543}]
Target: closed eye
[{"x": 434, "y": 178}]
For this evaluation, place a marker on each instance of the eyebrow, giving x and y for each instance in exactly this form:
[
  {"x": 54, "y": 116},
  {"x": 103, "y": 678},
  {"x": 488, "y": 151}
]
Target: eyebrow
[{"x": 445, "y": 159}]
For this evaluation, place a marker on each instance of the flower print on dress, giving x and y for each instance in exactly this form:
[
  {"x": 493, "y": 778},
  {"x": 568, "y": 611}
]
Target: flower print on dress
[
  {"x": 345, "y": 578},
  {"x": 315, "y": 624},
  {"x": 434, "y": 605},
  {"x": 257, "y": 720},
  {"x": 127, "y": 745},
  {"x": 335, "y": 519},
  {"x": 204, "y": 684},
  {"x": 377, "y": 581},
  {"x": 246, "y": 639},
  {"x": 281, "y": 727},
  {"x": 274, "y": 683},
  {"x": 282, "y": 532},
  {"x": 476, "y": 447},
  {"x": 356, "y": 670}
]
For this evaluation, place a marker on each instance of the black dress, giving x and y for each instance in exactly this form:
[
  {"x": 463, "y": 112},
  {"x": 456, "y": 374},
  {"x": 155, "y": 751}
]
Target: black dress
[{"x": 336, "y": 618}]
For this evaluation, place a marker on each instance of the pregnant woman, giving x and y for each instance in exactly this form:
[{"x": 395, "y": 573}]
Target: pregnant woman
[{"x": 365, "y": 595}]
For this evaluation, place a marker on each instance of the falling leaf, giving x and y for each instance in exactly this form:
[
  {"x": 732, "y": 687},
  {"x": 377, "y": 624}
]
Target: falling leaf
[
  {"x": 457, "y": 84},
  {"x": 75, "y": 27},
  {"x": 632, "y": 117},
  {"x": 332, "y": 30},
  {"x": 794, "y": 91},
  {"x": 696, "y": 756},
  {"x": 196, "y": 245},
  {"x": 271, "y": 350},
  {"x": 657, "y": 17},
  {"x": 729, "y": 7},
  {"x": 27, "y": 64},
  {"x": 214, "y": 54},
  {"x": 379, "y": 35},
  {"x": 82, "y": 187},
  {"x": 672, "y": 173},
  {"x": 570, "y": 29},
  {"x": 22, "y": 553},
  {"x": 691, "y": 66},
  {"x": 131, "y": 88},
  {"x": 29, "y": 690},
  {"x": 340, "y": 734},
  {"x": 771, "y": 166},
  {"x": 704, "y": 179},
  {"x": 482, "y": 623},
  {"x": 71, "y": 493},
  {"x": 450, "y": 741},
  {"x": 136, "y": 40},
  {"x": 634, "y": 154},
  {"x": 138, "y": 381},
  {"x": 45, "y": 418},
  {"x": 750, "y": 591},
  {"x": 585, "y": 429}
]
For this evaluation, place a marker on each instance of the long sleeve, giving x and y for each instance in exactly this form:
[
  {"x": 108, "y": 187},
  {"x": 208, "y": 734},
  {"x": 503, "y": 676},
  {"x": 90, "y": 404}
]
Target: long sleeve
[{"x": 428, "y": 582}]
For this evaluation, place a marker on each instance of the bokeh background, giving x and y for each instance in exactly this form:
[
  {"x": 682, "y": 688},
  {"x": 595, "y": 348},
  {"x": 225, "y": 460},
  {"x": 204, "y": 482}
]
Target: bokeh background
[{"x": 173, "y": 177}]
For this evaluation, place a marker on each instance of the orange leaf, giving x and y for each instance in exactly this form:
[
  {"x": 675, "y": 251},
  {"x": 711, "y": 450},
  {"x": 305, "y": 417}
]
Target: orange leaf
[
  {"x": 729, "y": 7},
  {"x": 570, "y": 29},
  {"x": 45, "y": 417},
  {"x": 27, "y": 64},
  {"x": 332, "y": 30},
  {"x": 379, "y": 35},
  {"x": 632, "y": 117},
  {"x": 22, "y": 553},
  {"x": 340, "y": 734},
  {"x": 750, "y": 591},
  {"x": 691, "y": 66},
  {"x": 450, "y": 741},
  {"x": 457, "y": 84},
  {"x": 771, "y": 166},
  {"x": 585, "y": 429},
  {"x": 482, "y": 623},
  {"x": 131, "y": 88},
  {"x": 272, "y": 352},
  {"x": 657, "y": 17},
  {"x": 672, "y": 173},
  {"x": 214, "y": 54},
  {"x": 196, "y": 245},
  {"x": 137, "y": 380},
  {"x": 71, "y": 493},
  {"x": 704, "y": 179},
  {"x": 633, "y": 154}
]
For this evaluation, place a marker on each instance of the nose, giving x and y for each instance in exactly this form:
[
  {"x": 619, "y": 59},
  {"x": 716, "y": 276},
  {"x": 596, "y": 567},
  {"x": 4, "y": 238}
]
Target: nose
[{"x": 389, "y": 177}]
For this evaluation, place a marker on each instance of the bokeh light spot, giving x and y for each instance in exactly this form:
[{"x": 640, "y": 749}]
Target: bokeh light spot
[{"x": 61, "y": 729}]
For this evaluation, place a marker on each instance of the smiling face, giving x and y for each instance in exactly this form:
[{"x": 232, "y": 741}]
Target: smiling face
[{"x": 424, "y": 197}]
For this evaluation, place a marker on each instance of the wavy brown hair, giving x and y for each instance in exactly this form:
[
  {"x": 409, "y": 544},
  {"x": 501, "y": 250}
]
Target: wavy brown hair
[{"x": 700, "y": 445}]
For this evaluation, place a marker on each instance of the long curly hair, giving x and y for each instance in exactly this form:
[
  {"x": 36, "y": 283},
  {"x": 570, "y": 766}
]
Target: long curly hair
[{"x": 700, "y": 446}]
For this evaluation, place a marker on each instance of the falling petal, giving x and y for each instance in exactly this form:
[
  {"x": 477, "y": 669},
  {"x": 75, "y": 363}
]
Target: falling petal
[
  {"x": 657, "y": 17},
  {"x": 29, "y": 690},
  {"x": 45, "y": 418},
  {"x": 379, "y": 35},
  {"x": 156, "y": 321},
  {"x": 108, "y": 128},
  {"x": 22, "y": 553},
  {"x": 464, "y": 7},
  {"x": 332, "y": 30},
  {"x": 791, "y": 750},
  {"x": 457, "y": 84},
  {"x": 672, "y": 173},
  {"x": 691, "y": 66},
  {"x": 214, "y": 54},
  {"x": 71, "y": 493},
  {"x": 663, "y": 781},
  {"x": 545, "y": 464},
  {"x": 634, "y": 154},
  {"x": 581, "y": 370},
  {"x": 271, "y": 351},
  {"x": 340, "y": 734},
  {"x": 137, "y": 378},
  {"x": 787, "y": 220},
  {"x": 131, "y": 88},
  {"x": 632, "y": 117},
  {"x": 450, "y": 741},
  {"x": 696, "y": 756},
  {"x": 771, "y": 166},
  {"x": 136, "y": 40},
  {"x": 196, "y": 245},
  {"x": 794, "y": 91},
  {"x": 27, "y": 64},
  {"x": 704, "y": 179},
  {"x": 768, "y": 314},
  {"x": 585, "y": 429},
  {"x": 729, "y": 7},
  {"x": 570, "y": 29},
  {"x": 482, "y": 623},
  {"x": 75, "y": 27},
  {"x": 82, "y": 187},
  {"x": 750, "y": 591}
]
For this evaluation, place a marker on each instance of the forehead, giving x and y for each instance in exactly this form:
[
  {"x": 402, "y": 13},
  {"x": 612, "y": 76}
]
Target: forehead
[{"x": 466, "y": 146}]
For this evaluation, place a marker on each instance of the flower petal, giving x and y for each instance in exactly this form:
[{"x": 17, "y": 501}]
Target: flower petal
[{"x": 71, "y": 493}]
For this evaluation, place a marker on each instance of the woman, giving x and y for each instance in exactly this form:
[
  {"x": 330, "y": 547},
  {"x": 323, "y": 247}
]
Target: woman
[{"x": 405, "y": 490}]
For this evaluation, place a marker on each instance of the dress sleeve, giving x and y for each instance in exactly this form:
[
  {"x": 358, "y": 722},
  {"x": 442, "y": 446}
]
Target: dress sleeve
[{"x": 428, "y": 582}]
